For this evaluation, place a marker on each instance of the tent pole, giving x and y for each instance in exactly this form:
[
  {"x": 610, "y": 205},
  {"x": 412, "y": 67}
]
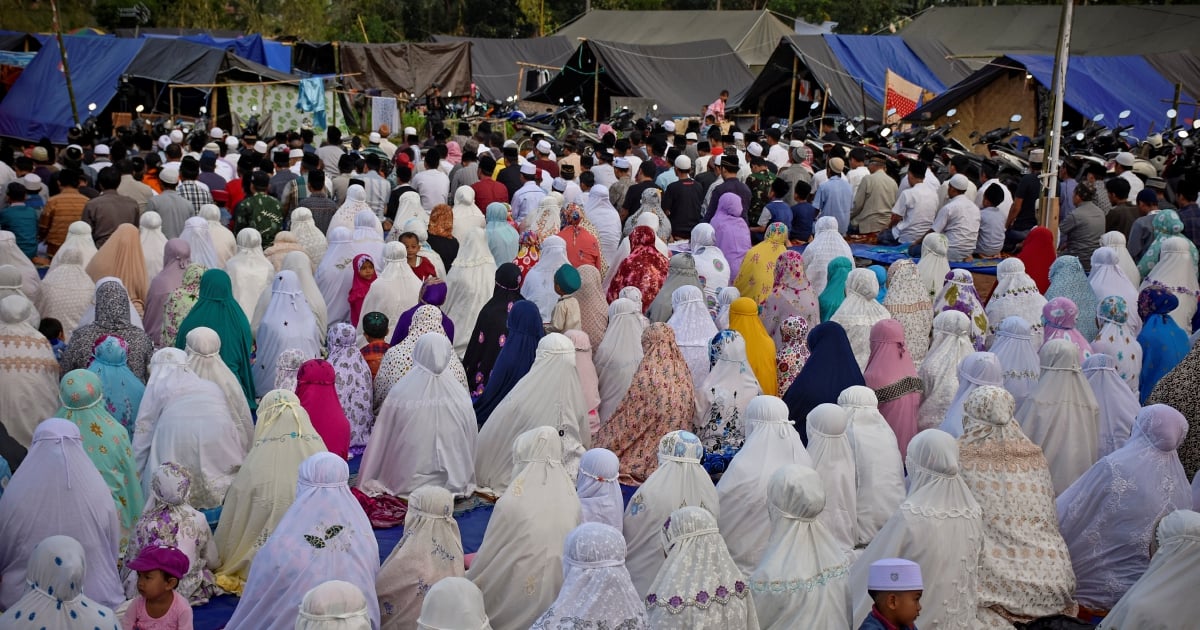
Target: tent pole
[
  {"x": 62, "y": 51},
  {"x": 824, "y": 102},
  {"x": 1062, "y": 58},
  {"x": 792, "y": 100},
  {"x": 520, "y": 80}
]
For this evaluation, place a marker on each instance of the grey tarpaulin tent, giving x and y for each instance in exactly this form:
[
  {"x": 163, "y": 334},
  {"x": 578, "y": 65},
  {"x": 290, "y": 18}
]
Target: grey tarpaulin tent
[
  {"x": 681, "y": 78},
  {"x": 752, "y": 34},
  {"x": 495, "y": 65}
]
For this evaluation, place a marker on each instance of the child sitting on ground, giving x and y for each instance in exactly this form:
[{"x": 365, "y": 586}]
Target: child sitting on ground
[
  {"x": 158, "y": 606},
  {"x": 375, "y": 327},
  {"x": 895, "y": 586},
  {"x": 52, "y": 330},
  {"x": 566, "y": 313}
]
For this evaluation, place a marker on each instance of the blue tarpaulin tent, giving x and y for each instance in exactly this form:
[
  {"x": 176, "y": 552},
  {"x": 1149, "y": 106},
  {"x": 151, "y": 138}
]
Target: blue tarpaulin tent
[
  {"x": 38, "y": 105},
  {"x": 1109, "y": 85},
  {"x": 868, "y": 58},
  {"x": 274, "y": 55}
]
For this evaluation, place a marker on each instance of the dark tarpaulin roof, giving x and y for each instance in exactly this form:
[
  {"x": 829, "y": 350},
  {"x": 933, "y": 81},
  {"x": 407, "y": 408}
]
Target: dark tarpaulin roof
[
  {"x": 182, "y": 62},
  {"x": 845, "y": 94},
  {"x": 314, "y": 58},
  {"x": 494, "y": 66},
  {"x": 682, "y": 78},
  {"x": 1181, "y": 67},
  {"x": 404, "y": 68},
  {"x": 16, "y": 41},
  {"x": 753, "y": 34}
]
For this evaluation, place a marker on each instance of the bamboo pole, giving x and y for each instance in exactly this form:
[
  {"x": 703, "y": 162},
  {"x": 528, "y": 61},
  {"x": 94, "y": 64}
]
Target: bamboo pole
[
  {"x": 62, "y": 51},
  {"x": 1054, "y": 133},
  {"x": 792, "y": 100}
]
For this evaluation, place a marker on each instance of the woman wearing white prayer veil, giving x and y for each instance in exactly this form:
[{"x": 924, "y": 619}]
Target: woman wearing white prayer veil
[
  {"x": 693, "y": 328},
  {"x": 1107, "y": 278},
  {"x": 203, "y": 347},
  {"x": 1176, "y": 272},
  {"x": 453, "y": 603},
  {"x": 356, "y": 201},
  {"x": 58, "y": 491},
  {"x": 600, "y": 211},
  {"x": 55, "y": 577},
  {"x": 1013, "y": 347},
  {"x": 596, "y": 590},
  {"x": 711, "y": 265},
  {"x": 940, "y": 527},
  {"x": 10, "y": 254},
  {"x": 10, "y": 284},
  {"x": 649, "y": 220},
  {"x": 395, "y": 290},
  {"x": 409, "y": 208},
  {"x": 311, "y": 239},
  {"x": 67, "y": 291},
  {"x": 722, "y": 399},
  {"x": 335, "y": 274},
  {"x": 879, "y": 470},
  {"x": 934, "y": 264},
  {"x": 1025, "y": 569},
  {"x": 324, "y": 535},
  {"x": 197, "y": 234},
  {"x": 223, "y": 240},
  {"x": 598, "y": 489},
  {"x": 976, "y": 370},
  {"x": 334, "y": 605},
  {"x": 699, "y": 587},
  {"x": 803, "y": 578},
  {"x": 833, "y": 457},
  {"x": 1164, "y": 596},
  {"x": 1118, "y": 406},
  {"x": 469, "y": 285},
  {"x": 79, "y": 236},
  {"x": 939, "y": 371},
  {"x": 544, "y": 220},
  {"x": 826, "y": 245},
  {"x": 297, "y": 263},
  {"x": 184, "y": 419},
  {"x": 28, "y": 372},
  {"x": 771, "y": 443},
  {"x": 519, "y": 567},
  {"x": 1118, "y": 242},
  {"x": 425, "y": 431},
  {"x": 1107, "y": 516},
  {"x": 679, "y": 480},
  {"x": 538, "y": 286},
  {"x": 724, "y": 302},
  {"x": 249, "y": 270},
  {"x": 1062, "y": 415},
  {"x": 153, "y": 241},
  {"x": 265, "y": 487},
  {"x": 368, "y": 235},
  {"x": 1117, "y": 340},
  {"x": 289, "y": 323},
  {"x": 430, "y": 551},
  {"x": 1016, "y": 294},
  {"x": 859, "y": 312},
  {"x": 467, "y": 215},
  {"x": 620, "y": 353},
  {"x": 548, "y": 395}
]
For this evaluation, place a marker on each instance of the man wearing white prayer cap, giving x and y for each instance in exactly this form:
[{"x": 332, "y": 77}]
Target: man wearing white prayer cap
[
  {"x": 543, "y": 151},
  {"x": 895, "y": 585},
  {"x": 216, "y": 133},
  {"x": 1123, "y": 167},
  {"x": 527, "y": 198},
  {"x": 176, "y": 136}
]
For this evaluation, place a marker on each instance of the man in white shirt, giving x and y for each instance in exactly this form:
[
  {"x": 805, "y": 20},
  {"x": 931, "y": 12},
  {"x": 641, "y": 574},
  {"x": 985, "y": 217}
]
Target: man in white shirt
[
  {"x": 1123, "y": 167},
  {"x": 915, "y": 208},
  {"x": 603, "y": 169},
  {"x": 958, "y": 220},
  {"x": 431, "y": 183},
  {"x": 527, "y": 198},
  {"x": 958, "y": 165},
  {"x": 858, "y": 168},
  {"x": 987, "y": 176},
  {"x": 991, "y": 222},
  {"x": 375, "y": 186},
  {"x": 777, "y": 154}
]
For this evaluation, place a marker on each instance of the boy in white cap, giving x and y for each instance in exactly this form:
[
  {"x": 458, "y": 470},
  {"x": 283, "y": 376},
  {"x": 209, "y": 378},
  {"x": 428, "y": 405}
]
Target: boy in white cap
[{"x": 895, "y": 586}]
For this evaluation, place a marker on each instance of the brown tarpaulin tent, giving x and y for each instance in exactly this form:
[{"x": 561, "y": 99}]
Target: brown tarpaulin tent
[{"x": 406, "y": 68}]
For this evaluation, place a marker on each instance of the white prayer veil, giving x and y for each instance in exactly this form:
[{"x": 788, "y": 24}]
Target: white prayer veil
[{"x": 596, "y": 585}]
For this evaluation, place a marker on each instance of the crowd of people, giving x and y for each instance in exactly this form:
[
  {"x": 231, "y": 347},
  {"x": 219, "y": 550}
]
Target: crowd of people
[{"x": 228, "y": 326}]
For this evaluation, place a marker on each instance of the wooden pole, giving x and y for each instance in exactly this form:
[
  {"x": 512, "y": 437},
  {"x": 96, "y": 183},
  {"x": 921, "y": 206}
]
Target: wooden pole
[
  {"x": 1054, "y": 133},
  {"x": 1175, "y": 105},
  {"x": 520, "y": 80},
  {"x": 792, "y": 100},
  {"x": 62, "y": 51}
]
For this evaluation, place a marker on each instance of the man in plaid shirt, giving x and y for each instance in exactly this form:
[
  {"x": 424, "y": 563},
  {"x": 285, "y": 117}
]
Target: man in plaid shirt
[{"x": 191, "y": 189}]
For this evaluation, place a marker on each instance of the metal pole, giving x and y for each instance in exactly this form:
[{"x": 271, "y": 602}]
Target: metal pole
[
  {"x": 62, "y": 51},
  {"x": 792, "y": 100},
  {"x": 1061, "y": 59}
]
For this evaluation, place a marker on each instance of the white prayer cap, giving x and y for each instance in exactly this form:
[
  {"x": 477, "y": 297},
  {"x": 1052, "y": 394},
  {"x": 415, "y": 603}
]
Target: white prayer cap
[
  {"x": 216, "y": 132},
  {"x": 374, "y": 137},
  {"x": 894, "y": 575},
  {"x": 231, "y": 142},
  {"x": 1036, "y": 156},
  {"x": 176, "y": 136},
  {"x": 1125, "y": 159},
  {"x": 483, "y": 150},
  {"x": 795, "y": 144},
  {"x": 32, "y": 182},
  {"x": 683, "y": 163},
  {"x": 260, "y": 147},
  {"x": 510, "y": 144},
  {"x": 296, "y": 153},
  {"x": 410, "y": 131},
  {"x": 754, "y": 149},
  {"x": 960, "y": 182},
  {"x": 543, "y": 147},
  {"x": 212, "y": 146},
  {"x": 101, "y": 149},
  {"x": 669, "y": 126},
  {"x": 163, "y": 142},
  {"x": 169, "y": 173},
  {"x": 691, "y": 135},
  {"x": 559, "y": 184},
  {"x": 528, "y": 169},
  {"x": 737, "y": 135}
]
